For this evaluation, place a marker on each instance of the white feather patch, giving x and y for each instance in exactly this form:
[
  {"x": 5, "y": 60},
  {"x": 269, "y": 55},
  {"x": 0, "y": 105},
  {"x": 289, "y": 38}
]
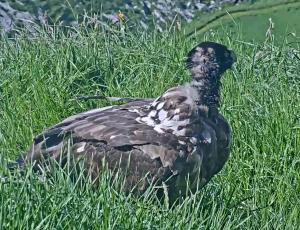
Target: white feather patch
[
  {"x": 158, "y": 129},
  {"x": 152, "y": 113},
  {"x": 155, "y": 102},
  {"x": 175, "y": 118},
  {"x": 193, "y": 140},
  {"x": 146, "y": 120},
  {"x": 134, "y": 111},
  {"x": 181, "y": 142},
  {"x": 81, "y": 148},
  {"x": 179, "y": 132},
  {"x": 160, "y": 105},
  {"x": 162, "y": 115},
  {"x": 176, "y": 111}
]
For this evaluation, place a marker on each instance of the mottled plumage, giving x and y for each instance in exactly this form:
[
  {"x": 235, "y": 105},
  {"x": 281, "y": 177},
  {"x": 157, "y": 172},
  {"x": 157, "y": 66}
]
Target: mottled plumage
[{"x": 181, "y": 134}]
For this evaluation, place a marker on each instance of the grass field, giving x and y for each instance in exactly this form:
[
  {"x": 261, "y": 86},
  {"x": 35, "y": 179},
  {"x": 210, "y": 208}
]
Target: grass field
[
  {"x": 258, "y": 188},
  {"x": 252, "y": 20}
]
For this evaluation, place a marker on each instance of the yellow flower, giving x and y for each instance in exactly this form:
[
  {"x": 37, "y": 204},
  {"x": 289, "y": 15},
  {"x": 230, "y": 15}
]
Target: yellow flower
[{"x": 121, "y": 16}]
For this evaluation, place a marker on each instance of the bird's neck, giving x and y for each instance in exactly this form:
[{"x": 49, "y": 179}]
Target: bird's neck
[{"x": 208, "y": 91}]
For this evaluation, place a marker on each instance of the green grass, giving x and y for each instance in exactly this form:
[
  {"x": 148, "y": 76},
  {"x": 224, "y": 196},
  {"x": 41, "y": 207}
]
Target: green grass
[
  {"x": 252, "y": 19},
  {"x": 253, "y": 26},
  {"x": 259, "y": 186}
]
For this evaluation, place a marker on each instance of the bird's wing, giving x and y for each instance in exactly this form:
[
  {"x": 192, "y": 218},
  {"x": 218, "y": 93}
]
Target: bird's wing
[{"x": 116, "y": 126}]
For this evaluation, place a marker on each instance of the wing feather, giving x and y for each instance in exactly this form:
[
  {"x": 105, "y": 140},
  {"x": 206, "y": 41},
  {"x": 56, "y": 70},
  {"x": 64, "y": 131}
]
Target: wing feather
[{"x": 116, "y": 126}]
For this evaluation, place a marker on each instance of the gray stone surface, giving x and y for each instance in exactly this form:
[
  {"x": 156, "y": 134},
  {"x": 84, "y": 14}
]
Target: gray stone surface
[{"x": 145, "y": 13}]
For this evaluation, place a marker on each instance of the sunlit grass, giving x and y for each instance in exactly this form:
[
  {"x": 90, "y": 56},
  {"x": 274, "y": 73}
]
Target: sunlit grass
[{"x": 249, "y": 21}]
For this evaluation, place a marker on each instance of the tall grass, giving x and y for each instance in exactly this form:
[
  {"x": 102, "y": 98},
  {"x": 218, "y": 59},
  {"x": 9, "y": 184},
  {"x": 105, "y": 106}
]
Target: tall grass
[{"x": 259, "y": 186}]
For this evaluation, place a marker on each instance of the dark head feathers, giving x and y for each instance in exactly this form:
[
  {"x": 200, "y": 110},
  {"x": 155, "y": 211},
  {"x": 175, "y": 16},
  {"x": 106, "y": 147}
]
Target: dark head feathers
[{"x": 210, "y": 56}]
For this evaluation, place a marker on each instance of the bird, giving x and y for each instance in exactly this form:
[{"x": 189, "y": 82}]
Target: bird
[{"x": 180, "y": 139}]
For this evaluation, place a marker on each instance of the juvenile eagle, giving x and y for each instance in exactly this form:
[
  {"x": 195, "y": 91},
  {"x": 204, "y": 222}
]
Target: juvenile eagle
[{"x": 179, "y": 138}]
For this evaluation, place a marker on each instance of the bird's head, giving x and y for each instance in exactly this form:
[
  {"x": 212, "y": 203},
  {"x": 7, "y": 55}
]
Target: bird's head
[{"x": 209, "y": 59}]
